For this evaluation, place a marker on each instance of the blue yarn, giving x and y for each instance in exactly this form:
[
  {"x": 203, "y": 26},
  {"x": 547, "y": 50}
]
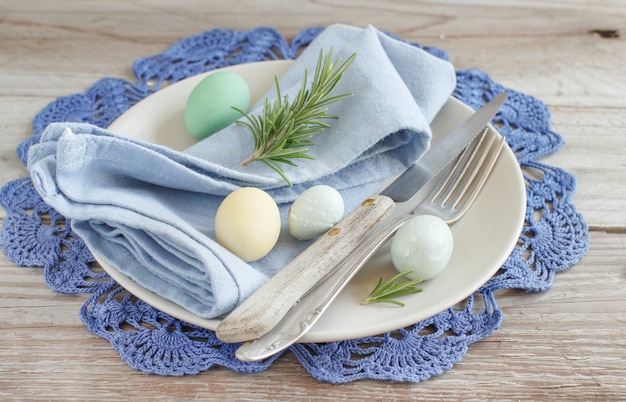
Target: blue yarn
[{"x": 553, "y": 238}]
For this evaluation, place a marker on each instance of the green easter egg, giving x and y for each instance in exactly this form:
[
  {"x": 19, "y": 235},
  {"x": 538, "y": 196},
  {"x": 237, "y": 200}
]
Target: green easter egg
[{"x": 209, "y": 105}]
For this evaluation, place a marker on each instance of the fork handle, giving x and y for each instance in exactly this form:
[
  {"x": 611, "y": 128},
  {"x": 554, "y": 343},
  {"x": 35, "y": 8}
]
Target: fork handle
[
  {"x": 301, "y": 317},
  {"x": 268, "y": 305}
]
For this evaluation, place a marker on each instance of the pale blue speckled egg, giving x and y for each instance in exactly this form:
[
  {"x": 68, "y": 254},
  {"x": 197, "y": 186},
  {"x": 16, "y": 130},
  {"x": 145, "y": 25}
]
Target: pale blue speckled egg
[
  {"x": 315, "y": 211},
  {"x": 422, "y": 245}
]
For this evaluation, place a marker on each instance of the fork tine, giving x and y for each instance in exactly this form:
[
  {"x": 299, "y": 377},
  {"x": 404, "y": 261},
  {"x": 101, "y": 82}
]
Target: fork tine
[
  {"x": 464, "y": 180},
  {"x": 481, "y": 172},
  {"x": 471, "y": 180},
  {"x": 480, "y": 160},
  {"x": 465, "y": 163}
]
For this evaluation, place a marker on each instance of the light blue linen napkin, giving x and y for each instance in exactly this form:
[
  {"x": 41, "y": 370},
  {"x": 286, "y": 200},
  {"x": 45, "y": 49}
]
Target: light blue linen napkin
[{"x": 149, "y": 210}]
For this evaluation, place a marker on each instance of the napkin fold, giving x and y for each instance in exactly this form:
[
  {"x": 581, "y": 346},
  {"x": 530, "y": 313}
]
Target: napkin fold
[{"x": 149, "y": 211}]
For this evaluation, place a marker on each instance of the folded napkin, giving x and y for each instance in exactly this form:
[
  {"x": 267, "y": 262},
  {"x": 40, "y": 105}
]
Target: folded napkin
[{"x": 149, "y": 210}]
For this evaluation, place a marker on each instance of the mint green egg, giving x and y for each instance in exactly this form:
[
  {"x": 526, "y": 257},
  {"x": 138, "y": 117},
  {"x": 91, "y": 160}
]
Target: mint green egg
[{"x": 209, "y": 105}]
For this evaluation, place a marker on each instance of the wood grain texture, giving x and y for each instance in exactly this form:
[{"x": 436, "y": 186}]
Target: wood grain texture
[{"x": 565, "y": 344}]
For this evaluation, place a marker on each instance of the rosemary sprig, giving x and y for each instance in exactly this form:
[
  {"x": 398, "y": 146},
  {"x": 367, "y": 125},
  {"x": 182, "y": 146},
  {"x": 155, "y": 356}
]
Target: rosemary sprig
[
  {"x": 282, "y": 132},
  {"x": 385, "y": 292}
]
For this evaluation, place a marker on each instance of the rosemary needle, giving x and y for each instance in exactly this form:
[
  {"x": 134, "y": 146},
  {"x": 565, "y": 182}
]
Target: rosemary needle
[
  {"x": 283, "y": 131},
  {"x": 394, "y": 287}
]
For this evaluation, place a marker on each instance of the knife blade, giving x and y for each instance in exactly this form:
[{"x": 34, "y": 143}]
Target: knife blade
[{"x": 266, "y": 307}]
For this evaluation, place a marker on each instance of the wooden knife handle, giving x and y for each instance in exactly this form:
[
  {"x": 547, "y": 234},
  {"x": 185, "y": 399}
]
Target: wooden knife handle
[{"x": 268, "y": 305}]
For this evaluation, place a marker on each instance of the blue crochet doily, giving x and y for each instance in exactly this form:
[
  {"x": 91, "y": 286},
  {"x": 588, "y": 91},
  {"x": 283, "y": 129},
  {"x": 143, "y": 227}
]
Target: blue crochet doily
[{"x": 553, "y": 238}]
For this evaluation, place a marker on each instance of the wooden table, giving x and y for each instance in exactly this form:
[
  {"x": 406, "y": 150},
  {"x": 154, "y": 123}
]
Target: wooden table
[{"x": 568, "y": 343}]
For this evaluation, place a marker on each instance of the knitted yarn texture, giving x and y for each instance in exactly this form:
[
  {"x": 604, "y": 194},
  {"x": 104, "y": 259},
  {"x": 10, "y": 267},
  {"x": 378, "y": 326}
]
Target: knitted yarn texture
[{"x": 553, "y": 238}]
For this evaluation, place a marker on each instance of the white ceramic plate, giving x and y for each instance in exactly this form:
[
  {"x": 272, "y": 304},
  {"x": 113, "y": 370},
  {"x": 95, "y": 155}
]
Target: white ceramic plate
[{"x": 483, "y": 238}]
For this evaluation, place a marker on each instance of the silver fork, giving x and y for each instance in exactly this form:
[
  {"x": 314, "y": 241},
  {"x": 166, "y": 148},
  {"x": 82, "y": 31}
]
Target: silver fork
[
  {"x": 456, "y": 192},
  {"x": 449, "y": 200}
]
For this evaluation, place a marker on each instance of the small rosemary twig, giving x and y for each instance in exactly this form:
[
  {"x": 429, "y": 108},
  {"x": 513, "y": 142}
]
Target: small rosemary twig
[
  {"x": 385, "y": 292},
  {"x": 283, "y": 131}
]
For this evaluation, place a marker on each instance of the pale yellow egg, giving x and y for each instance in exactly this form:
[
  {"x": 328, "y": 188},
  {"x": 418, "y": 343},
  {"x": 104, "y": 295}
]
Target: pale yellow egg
[{"x": 247, "y": 223}]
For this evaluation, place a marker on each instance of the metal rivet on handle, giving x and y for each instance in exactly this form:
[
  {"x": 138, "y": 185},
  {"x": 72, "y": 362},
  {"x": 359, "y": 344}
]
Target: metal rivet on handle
[
  {"x": 369, "y": 202},
  {"x": 334, "y": 231}
]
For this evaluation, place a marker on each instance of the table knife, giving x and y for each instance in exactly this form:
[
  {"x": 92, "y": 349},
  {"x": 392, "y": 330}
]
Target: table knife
[{"x": 267, "y": 306}]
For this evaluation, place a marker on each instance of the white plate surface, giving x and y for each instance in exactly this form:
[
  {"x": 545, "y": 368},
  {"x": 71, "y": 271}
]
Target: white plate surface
[{"x": 483, "y": 238}]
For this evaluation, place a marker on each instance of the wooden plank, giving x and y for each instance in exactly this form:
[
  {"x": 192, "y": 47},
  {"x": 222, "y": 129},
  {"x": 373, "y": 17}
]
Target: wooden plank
[{"x": 565, "y": 344}]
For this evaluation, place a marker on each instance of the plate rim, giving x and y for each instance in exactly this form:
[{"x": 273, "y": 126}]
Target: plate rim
[{"x": 320, "y": 334}]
